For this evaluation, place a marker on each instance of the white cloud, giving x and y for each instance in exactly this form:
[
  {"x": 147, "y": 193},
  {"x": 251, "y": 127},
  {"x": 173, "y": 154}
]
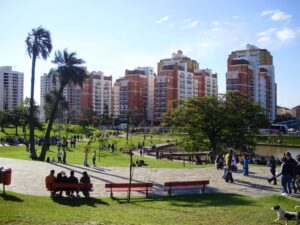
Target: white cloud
[
  {"x": 264, "y": 39},
  {"x": 268, "y": 12},
  {"x": 267, "y": 32},
  {"x": 172, "y": 24},
  {"x": 216, "y": 29},
  {"x": 276, "y": 15},
  {"x": 163, "y": 19},
  {"x": 216, "y": 23},
  {"x": 192, "y": 24},
  {"x": 287, "y": 33},
  {"x": 235, "y": 17},
  {"x": 273, "y": 35},
  {"x": 185, "y": 21}
]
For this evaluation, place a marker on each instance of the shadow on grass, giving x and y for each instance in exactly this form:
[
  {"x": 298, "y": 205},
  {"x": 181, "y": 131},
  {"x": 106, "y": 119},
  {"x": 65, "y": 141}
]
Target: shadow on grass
[
  {"x": 193, "y": 200},
  {"x": 11, "y": 198},
  {"x": 76, "y": 202},
  {"x": 255, "y": 186}
]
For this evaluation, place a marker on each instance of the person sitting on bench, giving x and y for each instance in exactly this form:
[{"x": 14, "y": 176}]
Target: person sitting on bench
[
  {"x": 85, "y": 179},
  {"x": 49, "y": 180},
  {"x": 73, "y": 180}
]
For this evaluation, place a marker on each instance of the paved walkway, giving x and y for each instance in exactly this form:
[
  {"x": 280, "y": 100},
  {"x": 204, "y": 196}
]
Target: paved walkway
[{"x": 28, "y": 178}]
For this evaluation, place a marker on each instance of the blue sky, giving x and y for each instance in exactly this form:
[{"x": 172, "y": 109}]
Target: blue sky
[{"x": 114, "y": 35}]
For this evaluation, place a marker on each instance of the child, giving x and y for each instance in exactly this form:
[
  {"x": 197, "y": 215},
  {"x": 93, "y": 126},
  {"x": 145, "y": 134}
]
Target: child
[{"x": 246, "y": 166}]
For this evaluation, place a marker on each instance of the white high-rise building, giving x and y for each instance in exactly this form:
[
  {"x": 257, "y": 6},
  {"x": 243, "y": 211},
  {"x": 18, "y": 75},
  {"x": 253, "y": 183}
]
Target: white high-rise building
[
  {"x": 149, "y": 72},
  {"x": 251, "y": 72},
  {"x": 96, "y": 93},
  {"x": 116, "y": 98},
  {"x": 48, "y": 83},
  {"x": 11, "y": 88},
  {"x": 71, "y": 93}
]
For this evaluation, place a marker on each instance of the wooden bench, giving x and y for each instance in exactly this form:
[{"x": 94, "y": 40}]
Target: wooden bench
[
  {"x": 182, "y": 185},
  {"x": 69, "y": 187},
  {"x": 123, "y": 187}
]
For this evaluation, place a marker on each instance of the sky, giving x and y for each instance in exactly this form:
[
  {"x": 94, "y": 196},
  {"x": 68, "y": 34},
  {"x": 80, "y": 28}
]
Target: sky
[{"x": 115, "y": 35}]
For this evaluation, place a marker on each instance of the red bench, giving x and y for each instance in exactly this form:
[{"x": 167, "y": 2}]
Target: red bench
[
  {"x": 182, "y": 185},
  {"x": 123, "y": 187},
  {"x": 69, "y": 187}
]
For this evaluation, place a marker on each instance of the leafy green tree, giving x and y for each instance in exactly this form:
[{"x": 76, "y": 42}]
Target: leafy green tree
[
  {"x": 49, "y": 104},
  {"x": 89, "y": 115},
  {"x": 210, "y": 124},
  {"x": 4, "y": 120},
  {"x": 20, "y": 117},
  {"x": 38, "y": 44},
  {"x": 68, "y": 70}
]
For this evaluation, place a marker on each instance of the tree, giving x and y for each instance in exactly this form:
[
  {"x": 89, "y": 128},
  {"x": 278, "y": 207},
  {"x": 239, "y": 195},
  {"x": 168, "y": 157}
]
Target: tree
[
  {"x": 211, "y": 124},
  {"x": 20, "y": 117},
  {"x": 4, "y": 120},
  {"x": 38, "y": 44},
  {"x": 68, "y": 71},
  {"x": 89, "y": 115},
  {"x": 49, "y": 103}
]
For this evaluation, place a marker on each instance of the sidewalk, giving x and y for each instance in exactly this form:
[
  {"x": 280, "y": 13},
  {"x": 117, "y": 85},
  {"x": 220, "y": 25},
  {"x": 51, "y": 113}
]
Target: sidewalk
[{"x": 28, "y": 178}]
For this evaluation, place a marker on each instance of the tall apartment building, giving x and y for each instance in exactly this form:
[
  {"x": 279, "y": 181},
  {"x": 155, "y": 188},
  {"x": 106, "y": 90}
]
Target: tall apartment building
[
  {"x": 134, "y": 94},
  {"x": 115, "y": 99},
  {"x": 150, "y": 75},
  {"x": 179, "y": 77},
  {"x": 72, "y": 94},
  {"x": 133, "y": 97},
  {"x": 11, "y": 88},
  {"x": 205, "y": 83},
  {"x": 96, "y": 93},
  {"x": 48, "y": 82},
  {"x": 251, "y": 72},
  {"x": 296, "y": 112}
]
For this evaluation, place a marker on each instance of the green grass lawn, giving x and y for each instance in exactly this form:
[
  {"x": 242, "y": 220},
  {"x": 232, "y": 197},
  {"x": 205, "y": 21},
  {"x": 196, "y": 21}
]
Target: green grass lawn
[
  {"x": 117, "y": 158},
  {"x": 188, "y": 209}
]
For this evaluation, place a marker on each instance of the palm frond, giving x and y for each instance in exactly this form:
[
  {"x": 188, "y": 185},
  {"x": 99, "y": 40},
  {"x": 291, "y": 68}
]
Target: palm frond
[{"x": 39, "y": 43}]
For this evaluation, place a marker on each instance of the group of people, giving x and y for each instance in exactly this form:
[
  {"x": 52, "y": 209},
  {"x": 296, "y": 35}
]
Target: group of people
[
  {"x": 289, "y": 172},
  {"x": 62, "y": 178},
  {"x": 229, "y": 163}
]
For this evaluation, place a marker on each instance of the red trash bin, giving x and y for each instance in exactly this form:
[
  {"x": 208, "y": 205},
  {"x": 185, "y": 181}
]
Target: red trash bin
[{"x": 7, "y": 176}]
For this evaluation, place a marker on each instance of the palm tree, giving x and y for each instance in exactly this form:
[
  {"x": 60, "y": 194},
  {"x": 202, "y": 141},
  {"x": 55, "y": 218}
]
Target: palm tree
[
  {"x": 38, "y": 44},
  {"x": 68, "y": 71}
]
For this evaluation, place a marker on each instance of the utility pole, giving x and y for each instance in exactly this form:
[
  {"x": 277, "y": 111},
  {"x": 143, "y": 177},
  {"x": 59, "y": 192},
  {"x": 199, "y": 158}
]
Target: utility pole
[
  {"x": 127, "y": 129},
  {"x": 130, "y": 174}
]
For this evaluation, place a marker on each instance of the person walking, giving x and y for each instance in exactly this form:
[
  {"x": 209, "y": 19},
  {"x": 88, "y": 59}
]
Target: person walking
[
  {"x": 285, "y": 179},
  {"x": 86, "y": 152},
  {"x": 298, "y": 173},
  {"x": 292, "y": 168},
  {"x": 246, "y": 166},
  {"x": 59, "y": 154},
  {"x": 64, "y": 156},
  {"x": 272, "y": 166},
  {"x": 228, "y": 170}
]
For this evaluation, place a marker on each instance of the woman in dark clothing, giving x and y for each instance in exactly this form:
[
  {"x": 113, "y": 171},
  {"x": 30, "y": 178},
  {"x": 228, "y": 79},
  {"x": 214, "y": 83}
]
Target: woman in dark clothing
[
  {"x": 61, "y": 178},
  {"x": 86, "y": 180},
  {"x": 272, "y": 165}
]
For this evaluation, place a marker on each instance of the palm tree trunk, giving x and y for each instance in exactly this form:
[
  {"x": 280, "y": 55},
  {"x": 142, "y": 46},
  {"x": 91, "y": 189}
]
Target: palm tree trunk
[
  {"x": 50, "y": 123},
  {"x": 31, "y": 113}
]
